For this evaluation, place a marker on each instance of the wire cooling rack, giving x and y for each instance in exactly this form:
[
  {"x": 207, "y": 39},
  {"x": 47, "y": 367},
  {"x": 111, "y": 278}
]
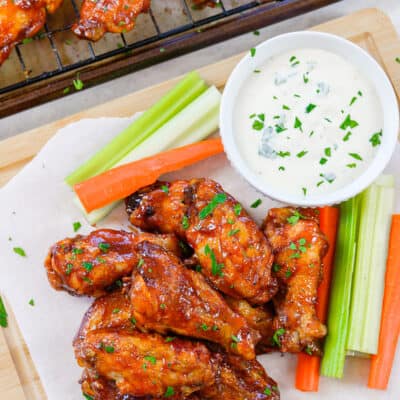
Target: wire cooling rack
[{"x": 43, "y": 68}]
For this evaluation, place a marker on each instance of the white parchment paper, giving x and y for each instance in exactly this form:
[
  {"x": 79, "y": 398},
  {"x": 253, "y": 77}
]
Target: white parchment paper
[{"x": 36, "y": 209}]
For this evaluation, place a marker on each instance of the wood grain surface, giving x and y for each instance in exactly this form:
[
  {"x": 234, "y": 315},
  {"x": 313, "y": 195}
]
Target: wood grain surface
[{"x": 369, "y": 28}]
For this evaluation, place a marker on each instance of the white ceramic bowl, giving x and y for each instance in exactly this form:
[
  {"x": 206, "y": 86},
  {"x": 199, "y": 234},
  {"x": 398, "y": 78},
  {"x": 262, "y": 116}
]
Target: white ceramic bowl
[{"x": 352, "y": 53}]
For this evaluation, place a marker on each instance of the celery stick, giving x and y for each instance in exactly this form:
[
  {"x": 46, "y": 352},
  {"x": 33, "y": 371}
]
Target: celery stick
[
  {"x": 377, "y": 204},
  {"x": 368, "y": 202},
  {"x": 338, "y": 317},
  {"x": 194, "y": 123},
  {"x": 166, "y": 108}
]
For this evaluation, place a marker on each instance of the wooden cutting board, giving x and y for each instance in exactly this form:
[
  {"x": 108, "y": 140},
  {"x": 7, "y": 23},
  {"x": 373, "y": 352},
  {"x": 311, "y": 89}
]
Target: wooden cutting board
[{"x": 369, "y": 28}]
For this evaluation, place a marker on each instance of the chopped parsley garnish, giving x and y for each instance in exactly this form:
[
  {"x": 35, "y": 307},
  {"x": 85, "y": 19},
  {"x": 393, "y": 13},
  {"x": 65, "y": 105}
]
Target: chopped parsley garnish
[
  {"x": 219, "y": 198},
  {"x": 348, "y": 123},
  {"x": 20, "y": 251},
  {"x": 308, "y": 350},
  {"x": 375, "y": 139},
  {"x": 151, "y": 359},
  {"x": 3, "y": 314},
  {"x": 285, "y": 107},
  {"x": 116, "y": 311},
  {"x": 294, "y": 61},
  {"x": 304, "y": 190},
  {"x": 233, "y": 232},
  {"x": 87, "y": 280},
  {"x": 235, "y": 339},
  {"x": 215, "y": 328},
  {"x": 301, "y": 154},
  {"x": 87, "y": 397},
  {"x": 356, "y": 156},
  {"x": 297, "y": 95},
  {"x": 163, "y": 306},
  {"x": 328, "y": 151},
  {"x": 104, "y": 247},
  {"x": 256, "y": 33},
  {"x": 292, "y": 246},
  {"x": 256, "y": 203},
  {"x": 276, "y": 267},
  {"x": 276, "y": 336},
  {"x": 298, "y": 124},
  {"x": 169, "y": 392},
  {"x": 310, "y": 107},
  {"x": 256, "y": 71},
  {"x": 288, "y": 273},
  {"x": 359, "y": 93},
  {"x": 279, "y": 128},
  {"x": 76, "y": 225},
  {"x": 252, "y": 52},
  {"x": 133, "y": 321},
  {"x": 78, "y": 84},
  {"x": 165, "y": 189},
  {"x": 258, "y": 125},
  {"x": 31, "y": 302},
  {"x": 108, "y": 349},
  {"x": 352, "y": 165},
  {"x": 87, "y": 265},
  {"x": 294, "y": 218},
  {"x": 346, "y": 137},
  {"x": 198, "y": 268},
  {"x": 267, "y": 391},
  {"x": 281, "y": 168},
  {"x": 397, "y": 59},
  {"x": 216, "y": 269},
  {"x": 311, "y": 133},
  {"x": 69, "y": 268},
  {"x": 305, "y": 78},
  {"x": 76, "y": 250},
  {"x": 252, "y": 116},
  {"x": 170, "y": 339},
  {"x": 27, "y": 40},
  {"x": 204, "y": 327},
  {"x": 328, "y": 120},
  {"x": 353, "y": 100},
  {"x": 230, "y": 221},
  {"x": 323, "y": 160},
  {"x": 283, "y": 153},
  {"x": 185, "y": 222},
  {"x": 237, "y": 209},
  {"x": 140, "y": 263}
]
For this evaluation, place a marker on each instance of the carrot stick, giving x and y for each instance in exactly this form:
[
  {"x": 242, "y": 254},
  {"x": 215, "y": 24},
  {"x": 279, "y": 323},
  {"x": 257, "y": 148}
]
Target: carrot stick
[
  {"x": 122, "y": 181},
  {"x": 307, "y": 373},
  {"x": 381, "y": 364}
]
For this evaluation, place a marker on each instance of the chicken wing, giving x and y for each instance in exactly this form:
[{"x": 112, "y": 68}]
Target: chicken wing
[
  {"x": 20, "y": 19},
  {"x": 240, "y": 379},
  {"x": 259, "y": 318},
  {"x": 143, "y": 364},
  {"x": 167, "y": 297},
  {"x": 299, "y": 247},
  {"x": 232, "y": 251},
  {"x": 99, "y": 388},
  {"x": 88, "y": 265},
  {"x": 101, "y": 16}
]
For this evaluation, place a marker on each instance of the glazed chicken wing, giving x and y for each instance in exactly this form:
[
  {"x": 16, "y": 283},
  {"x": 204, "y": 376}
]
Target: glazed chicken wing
[
  {"x": 99, "y": 388},
  {"x": 167, "y": 297},
  {"x": 259, "y": 318},
  {"x": 20, "y": 19},
  {"x": 233, "y": 252},
  {"x": 299, "y": 247},
  {"x": 240, "y": 379},
  {"x": 101, "y": 16},
  {"x": 88, "y": 265},
  {"x": 143, "y": 364}
]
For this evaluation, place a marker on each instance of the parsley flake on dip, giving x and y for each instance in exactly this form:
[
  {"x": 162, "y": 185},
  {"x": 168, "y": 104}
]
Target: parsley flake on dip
[
  {"x": 309, "y": 121},
  {"x": 309, "y": 118}
]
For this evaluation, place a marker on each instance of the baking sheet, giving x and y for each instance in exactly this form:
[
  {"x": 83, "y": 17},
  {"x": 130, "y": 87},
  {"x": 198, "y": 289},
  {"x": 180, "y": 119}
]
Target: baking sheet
[{"x": 36, "y": 209}]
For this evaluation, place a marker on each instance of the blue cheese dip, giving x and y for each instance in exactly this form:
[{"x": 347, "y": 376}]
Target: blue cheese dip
[{"x": 308, "y": 122}]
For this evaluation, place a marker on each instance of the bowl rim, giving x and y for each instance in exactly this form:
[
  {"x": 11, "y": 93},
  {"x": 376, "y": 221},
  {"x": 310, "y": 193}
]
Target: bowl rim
[{"x": 332, "y": 43}]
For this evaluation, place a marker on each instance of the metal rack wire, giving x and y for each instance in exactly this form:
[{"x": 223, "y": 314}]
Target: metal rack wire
[{"x": 177, "y": 23}]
